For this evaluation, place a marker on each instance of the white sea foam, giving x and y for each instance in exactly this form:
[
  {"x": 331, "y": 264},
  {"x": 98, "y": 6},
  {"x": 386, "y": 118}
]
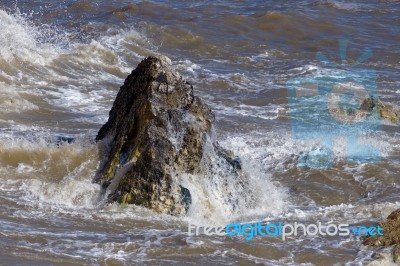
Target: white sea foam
[
  {"x": 342, "y": 5},
  {"x": 221, "y": 197},
  {"x": 19, "y": 41},
  {"x": 80, "y": 77},
  {"x": 11, "y": 100}
]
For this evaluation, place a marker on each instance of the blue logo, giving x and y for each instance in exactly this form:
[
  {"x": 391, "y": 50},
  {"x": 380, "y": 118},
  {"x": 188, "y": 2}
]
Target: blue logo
[{"x": 326, "y": 107}]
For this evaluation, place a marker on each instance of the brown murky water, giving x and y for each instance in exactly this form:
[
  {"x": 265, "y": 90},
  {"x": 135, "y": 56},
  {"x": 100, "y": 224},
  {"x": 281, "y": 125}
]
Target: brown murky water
[{"x": 61, "y": 65}]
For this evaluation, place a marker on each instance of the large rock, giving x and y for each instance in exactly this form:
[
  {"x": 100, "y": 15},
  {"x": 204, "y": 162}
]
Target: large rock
[
  {"x": 391, "y": 235},
  {"x": 391, "y": 232},
  {"x": 385, "y": 111},
  {"x": 156, "y": 130}
]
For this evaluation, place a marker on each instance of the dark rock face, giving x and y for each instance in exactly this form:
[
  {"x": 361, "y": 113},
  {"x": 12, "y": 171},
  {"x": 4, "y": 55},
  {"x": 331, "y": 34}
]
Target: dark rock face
[{"x": 156, "y": 129}]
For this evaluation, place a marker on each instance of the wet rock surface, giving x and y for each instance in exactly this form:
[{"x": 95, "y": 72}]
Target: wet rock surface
[
  {"x": 385, "y": 111},
  {"x": 391, "y": 232},
  {"x": 156, "y": 130},
  {"x": 391, "y": 235}
]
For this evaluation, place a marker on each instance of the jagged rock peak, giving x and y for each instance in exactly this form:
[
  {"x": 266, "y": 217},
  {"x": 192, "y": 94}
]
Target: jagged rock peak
[{"x": 156, "y": 130}]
